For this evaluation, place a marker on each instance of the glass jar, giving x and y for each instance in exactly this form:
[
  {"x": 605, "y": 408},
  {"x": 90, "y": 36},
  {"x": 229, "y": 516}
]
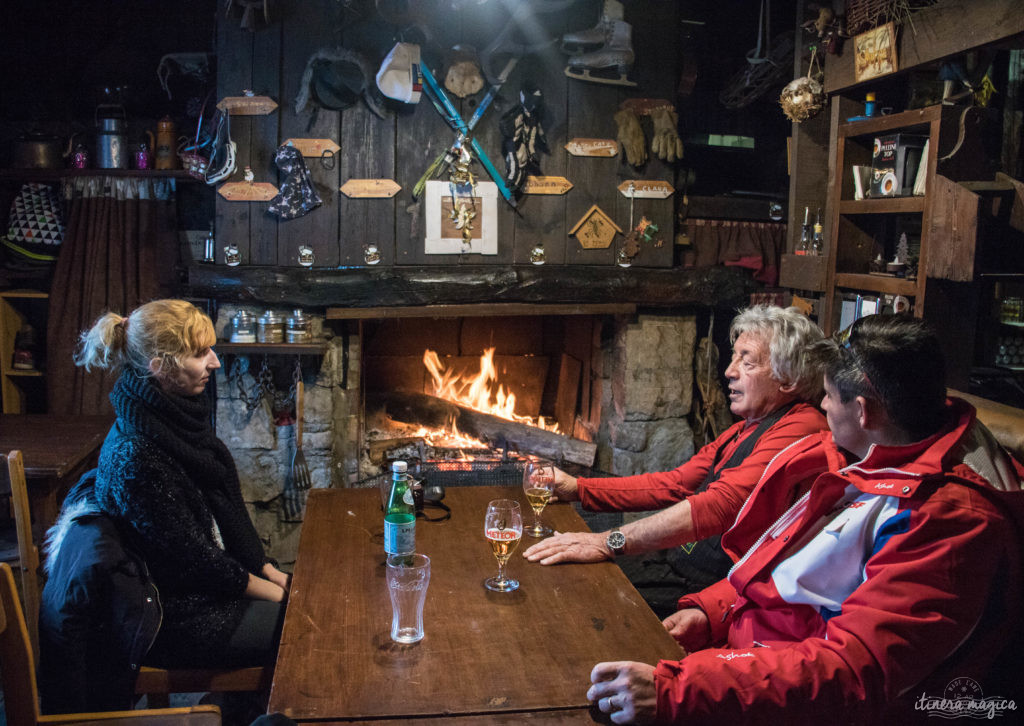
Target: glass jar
[
  {"x": 243, "y": 327},
  {"x": 297, "y": 328},
  {"x": 270, "y": 328}
]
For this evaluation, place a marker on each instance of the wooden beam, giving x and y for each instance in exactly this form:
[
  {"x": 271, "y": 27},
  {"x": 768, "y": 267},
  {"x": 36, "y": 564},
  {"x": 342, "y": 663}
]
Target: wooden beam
[
  {"x": 933, "y": 33},
  {"x": 431, "y": 411},
  {"x": 479, "y": 310},
  {"x": 414, "y": 287}
]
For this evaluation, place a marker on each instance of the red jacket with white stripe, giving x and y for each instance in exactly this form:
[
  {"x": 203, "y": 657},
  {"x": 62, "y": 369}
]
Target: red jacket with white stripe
[{"x": 890, "y": 578}]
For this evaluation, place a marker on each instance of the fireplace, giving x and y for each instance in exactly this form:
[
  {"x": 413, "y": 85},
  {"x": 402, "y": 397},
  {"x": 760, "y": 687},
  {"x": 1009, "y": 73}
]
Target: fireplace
[
  {"x": 616, "y": 384},
  {"x": 616, "y": 377}
]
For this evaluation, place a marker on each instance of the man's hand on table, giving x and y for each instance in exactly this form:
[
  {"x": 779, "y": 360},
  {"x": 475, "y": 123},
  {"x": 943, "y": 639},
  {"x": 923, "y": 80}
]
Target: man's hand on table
[
  {"x": 625, "y": 690},
  {"x": 690, "y": 627},
  {"x": 570, "y": 547}
]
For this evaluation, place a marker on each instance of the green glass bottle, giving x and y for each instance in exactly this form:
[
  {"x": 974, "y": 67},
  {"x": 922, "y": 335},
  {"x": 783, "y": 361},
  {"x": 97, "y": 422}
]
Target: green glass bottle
[{"x": 400, "y": 514}]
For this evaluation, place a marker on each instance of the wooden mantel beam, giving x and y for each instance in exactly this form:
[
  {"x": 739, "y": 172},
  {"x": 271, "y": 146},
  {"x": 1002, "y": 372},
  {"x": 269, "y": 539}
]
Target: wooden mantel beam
[
  {"x": 360, "y": 287},
  {"x": 937, "y": 32}
]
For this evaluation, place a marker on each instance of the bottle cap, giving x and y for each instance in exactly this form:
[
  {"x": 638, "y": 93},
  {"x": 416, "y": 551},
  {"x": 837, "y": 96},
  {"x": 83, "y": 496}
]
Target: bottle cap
[
  {"x": 399, "y": 467},
  {"x": 870, "y": 96}
]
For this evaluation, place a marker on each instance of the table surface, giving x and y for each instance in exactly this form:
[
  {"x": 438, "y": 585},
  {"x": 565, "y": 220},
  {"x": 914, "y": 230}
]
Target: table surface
[
  {"x": 52, "y": 446},
  {"x": 517, "y": 656}
]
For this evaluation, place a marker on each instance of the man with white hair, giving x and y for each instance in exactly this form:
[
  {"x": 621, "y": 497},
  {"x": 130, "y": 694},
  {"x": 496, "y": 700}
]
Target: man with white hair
[{"x": 772, "y": 387}]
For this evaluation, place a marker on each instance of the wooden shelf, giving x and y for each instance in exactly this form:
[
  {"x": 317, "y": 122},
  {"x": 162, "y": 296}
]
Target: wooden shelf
[
  {"x": 316, "y": 347},
  {"x": 904, "y": 122},
  {"x": 23, "y": 294},
  {"x": 20, "y": 372},
  {"x": 29, "y": 175},
  {"x": 874, "y": 283},
  {"x": 891, "y": 205}
]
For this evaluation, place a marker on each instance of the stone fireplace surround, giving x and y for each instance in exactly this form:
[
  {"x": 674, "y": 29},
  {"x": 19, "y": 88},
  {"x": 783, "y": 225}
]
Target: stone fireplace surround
[{"x": 643, "y": 370}]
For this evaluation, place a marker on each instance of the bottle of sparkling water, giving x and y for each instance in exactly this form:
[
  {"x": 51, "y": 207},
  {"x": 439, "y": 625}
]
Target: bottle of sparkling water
[{"x": 400, "y": 514}]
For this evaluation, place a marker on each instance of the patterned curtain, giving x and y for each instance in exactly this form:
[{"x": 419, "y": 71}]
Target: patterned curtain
[{"x": 119, "y": 250}]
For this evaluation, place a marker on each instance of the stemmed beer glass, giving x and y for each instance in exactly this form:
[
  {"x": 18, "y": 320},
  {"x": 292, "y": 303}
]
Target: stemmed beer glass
[
  {"x": 503, "y": 528},
  {"x": 538, "y": 482}
]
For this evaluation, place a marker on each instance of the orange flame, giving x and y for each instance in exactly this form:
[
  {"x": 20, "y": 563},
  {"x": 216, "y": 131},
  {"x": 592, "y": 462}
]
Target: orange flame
[{"x": 481, "y": 392}]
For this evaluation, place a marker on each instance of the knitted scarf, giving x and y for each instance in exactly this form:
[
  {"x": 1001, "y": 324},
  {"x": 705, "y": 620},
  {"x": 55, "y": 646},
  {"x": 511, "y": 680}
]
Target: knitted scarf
[{"x": 181, "y": 426}]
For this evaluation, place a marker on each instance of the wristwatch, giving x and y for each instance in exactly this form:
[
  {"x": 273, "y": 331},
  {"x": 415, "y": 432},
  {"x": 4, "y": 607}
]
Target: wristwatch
[{"x": 616, "y": 542}]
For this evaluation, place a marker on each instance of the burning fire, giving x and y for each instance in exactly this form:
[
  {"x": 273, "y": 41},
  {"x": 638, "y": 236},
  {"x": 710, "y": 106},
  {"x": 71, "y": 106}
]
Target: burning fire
[{"x": 481, "y": 392}]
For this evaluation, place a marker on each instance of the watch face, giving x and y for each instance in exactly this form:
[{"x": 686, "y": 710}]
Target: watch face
[{"x": 616, "y": 541}]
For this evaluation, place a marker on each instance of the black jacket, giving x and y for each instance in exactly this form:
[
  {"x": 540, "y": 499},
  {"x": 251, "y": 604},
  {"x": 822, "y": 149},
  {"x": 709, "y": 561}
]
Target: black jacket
[{"x": 99, "y": 614}]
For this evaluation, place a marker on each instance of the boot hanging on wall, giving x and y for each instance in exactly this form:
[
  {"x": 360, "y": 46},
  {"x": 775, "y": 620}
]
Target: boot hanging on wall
[
  {"x": 249, "y": 7},
  {"x": 608, "y": 45}
]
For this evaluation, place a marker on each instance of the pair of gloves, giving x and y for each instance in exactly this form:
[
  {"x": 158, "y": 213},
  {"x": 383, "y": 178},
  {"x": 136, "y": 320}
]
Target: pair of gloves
[{"x": 665, "y": 141}]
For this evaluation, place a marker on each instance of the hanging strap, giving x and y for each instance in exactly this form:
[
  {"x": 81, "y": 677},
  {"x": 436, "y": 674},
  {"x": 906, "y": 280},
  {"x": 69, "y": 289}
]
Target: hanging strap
[{"x": 705, "y": 562}]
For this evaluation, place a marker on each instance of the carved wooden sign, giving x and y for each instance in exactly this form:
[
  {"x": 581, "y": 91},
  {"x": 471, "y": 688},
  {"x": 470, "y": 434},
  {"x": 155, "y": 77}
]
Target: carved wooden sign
[
  {"x": 595, "y": 230},
  {"x": 314, "y": 147},
  {"x": 247, "y": 191},
  {"x": 370, "y": 188},
  {"x": 247, "y": 105},
  {"x": 546, "y": 185},
  {"x": 644, "y": 106},
  {"x": 646, "y": 189},
  {"x": 592, "y": 147}
]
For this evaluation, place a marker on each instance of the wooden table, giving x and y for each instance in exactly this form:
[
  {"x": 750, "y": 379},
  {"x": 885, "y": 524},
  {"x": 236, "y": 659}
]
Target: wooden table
[
  {"x": 56, "y": 451},
  {"x": 503, "y": 657}
]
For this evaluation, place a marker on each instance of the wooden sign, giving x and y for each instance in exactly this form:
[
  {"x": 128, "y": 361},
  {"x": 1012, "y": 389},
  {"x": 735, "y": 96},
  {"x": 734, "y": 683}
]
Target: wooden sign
[
  {"x": 370, "y": 188},
  {"x": 248, "y": 191},
  {"x": 546, "y": 185},
  {"x": 592, "y": 147},
  {"x": 247, "y": 105},
  {"x": 644, "y": 106},
  {"x": 314, "y": 147},
  {"x": 595, "y": 230},
  {"x": 646, "y": 189}
]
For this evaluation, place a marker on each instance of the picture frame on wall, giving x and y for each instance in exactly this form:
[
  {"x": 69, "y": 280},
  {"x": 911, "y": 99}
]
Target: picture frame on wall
[
  {"x": 875, "y": 53},
  {"x": 454, "y": 209}
]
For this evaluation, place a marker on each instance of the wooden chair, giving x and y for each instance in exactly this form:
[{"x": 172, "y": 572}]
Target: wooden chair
[
  {"x": 157, "y": 683},
  {"x": 21, "y": 693},
  {"x": 28, "y": 554}
]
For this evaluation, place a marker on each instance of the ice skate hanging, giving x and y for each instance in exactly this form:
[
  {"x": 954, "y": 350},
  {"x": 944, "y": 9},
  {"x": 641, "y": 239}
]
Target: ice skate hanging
[{"x": 603, "y": 53}]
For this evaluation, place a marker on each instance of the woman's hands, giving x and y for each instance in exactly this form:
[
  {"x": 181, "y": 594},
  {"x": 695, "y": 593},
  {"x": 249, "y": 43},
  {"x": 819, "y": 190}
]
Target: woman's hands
[{"x": 272, "y": 586}]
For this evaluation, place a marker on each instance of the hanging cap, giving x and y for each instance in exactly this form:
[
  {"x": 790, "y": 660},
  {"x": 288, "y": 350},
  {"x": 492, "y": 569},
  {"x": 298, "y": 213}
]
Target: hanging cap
[{"x": 399, "y": 75}]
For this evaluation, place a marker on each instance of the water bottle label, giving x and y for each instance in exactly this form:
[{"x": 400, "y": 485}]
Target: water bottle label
[{"x": 400, "y": 538}]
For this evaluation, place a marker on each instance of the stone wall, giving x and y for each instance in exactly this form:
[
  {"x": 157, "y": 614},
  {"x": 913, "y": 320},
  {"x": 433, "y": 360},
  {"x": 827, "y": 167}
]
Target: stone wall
[{"x": 646, "y": 373}]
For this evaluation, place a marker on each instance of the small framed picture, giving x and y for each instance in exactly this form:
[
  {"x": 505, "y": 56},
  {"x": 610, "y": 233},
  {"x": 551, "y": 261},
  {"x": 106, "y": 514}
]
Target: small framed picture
[
  {"x": 461, "y": 218},
  {"x": 875, "y": 53}
]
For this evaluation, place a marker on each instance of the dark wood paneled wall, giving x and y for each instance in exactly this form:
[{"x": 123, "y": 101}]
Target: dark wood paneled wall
[{"x": 271, "y": 62}]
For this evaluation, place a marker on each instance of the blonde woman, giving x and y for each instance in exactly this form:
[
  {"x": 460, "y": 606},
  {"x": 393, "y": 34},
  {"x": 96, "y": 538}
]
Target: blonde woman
[{"x": 172, "y": 488}]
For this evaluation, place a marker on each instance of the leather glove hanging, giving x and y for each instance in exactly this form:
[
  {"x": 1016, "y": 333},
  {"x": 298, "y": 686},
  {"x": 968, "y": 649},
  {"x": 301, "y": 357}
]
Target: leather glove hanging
[
  {"x": 631, "y": 137},
  {"x": 665, "y": 141},
  {"x": 523, "y": 138}
]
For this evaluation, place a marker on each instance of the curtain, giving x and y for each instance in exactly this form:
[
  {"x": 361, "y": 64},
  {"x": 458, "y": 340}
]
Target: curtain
[
  {"x": 119, "y": 250},
  {"x": 755, "y": 245}
]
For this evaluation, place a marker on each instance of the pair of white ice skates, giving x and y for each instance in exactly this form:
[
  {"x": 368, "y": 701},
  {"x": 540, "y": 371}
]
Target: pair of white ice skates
[{"x": 599, "y": 53}]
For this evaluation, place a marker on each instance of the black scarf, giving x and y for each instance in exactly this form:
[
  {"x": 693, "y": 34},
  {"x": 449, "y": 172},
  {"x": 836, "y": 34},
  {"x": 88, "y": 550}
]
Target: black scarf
[{"x": 181, "y": 426}]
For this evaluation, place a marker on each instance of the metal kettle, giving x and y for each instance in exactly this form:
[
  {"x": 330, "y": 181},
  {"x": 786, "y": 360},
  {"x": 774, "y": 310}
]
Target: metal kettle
[{"x": 111, "y": 142}]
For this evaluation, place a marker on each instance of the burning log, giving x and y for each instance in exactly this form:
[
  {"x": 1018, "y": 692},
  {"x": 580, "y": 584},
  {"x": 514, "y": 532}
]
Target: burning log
[{"x": 430, "y": 411}]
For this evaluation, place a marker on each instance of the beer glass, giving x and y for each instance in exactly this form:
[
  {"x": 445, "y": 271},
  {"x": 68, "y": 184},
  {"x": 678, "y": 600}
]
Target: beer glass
[
  {"x": 503, "y": 528},
  {"x": 538, "y": 481}
]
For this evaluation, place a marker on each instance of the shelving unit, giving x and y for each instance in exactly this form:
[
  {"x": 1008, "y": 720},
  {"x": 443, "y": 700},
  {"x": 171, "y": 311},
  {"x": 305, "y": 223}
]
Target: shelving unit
[
  {"x": 862, "y": 229},
  {"x": 49, "y": 175},
  {"x": 14, "y": 312}
]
